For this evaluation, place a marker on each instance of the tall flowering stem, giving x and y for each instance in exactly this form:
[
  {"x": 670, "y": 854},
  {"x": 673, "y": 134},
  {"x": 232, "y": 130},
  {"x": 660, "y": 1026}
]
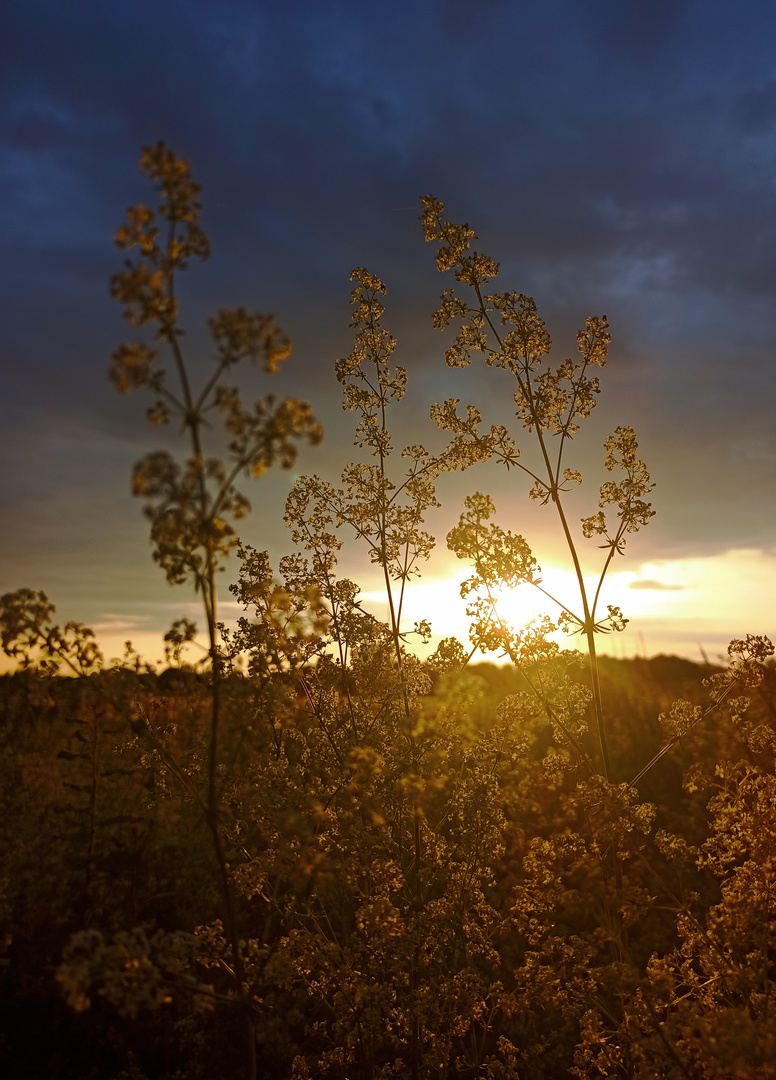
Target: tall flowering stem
[
  {"x": 385, "y": 507},
  {"x": 505, "y": 328},
  {"x": 190, "y": 504}
]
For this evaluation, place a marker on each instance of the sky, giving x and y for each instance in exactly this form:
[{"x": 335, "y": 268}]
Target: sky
[{"x": 615, "y": 158}]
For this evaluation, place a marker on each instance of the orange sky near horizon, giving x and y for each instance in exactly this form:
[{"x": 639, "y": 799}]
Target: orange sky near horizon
[{"x": 687, "y": 607}]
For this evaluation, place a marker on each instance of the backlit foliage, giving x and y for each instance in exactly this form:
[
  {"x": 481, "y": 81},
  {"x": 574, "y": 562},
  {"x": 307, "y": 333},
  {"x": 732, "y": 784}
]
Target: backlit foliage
[
  {"x": 189, "y": 504},
  {"x": 314, "y": 855}
]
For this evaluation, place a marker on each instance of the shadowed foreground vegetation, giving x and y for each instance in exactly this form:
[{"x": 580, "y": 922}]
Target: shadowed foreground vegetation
[{"x": 529, "y": 963}]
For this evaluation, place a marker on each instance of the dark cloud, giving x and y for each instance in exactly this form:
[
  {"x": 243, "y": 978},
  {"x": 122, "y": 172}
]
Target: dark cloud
[{"x": 755, "y": 111}]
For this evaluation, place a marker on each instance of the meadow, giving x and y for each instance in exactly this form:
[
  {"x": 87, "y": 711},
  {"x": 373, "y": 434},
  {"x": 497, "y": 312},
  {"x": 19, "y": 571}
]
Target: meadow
[{"x": 315, "y": 854}]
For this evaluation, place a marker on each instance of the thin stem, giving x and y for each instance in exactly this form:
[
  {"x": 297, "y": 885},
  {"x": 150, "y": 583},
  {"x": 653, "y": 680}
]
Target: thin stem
[
  {"x": 525, "y": 387},
  {"x": 555, "y": 600},
  {"x": 609, "y": 558},
  {"x": 193, "y": 420},
  {"x": 200, "y": 402}
]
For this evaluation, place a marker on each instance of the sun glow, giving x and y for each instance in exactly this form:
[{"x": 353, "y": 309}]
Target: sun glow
[
  {"x": 441, "y": 603},
  {"x": 680, "y": 606},
  {"x": 525, "y": 604}
]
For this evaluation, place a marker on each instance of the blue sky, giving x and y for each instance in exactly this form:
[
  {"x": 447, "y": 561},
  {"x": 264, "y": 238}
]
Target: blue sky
[{"x": 615, "y": 158}]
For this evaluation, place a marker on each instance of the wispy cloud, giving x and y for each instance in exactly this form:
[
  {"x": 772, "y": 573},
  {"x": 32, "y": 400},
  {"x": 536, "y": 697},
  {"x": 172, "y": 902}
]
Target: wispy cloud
[
  {"x": 114, "y": 624},
  {"x": 654, "y": 584}
]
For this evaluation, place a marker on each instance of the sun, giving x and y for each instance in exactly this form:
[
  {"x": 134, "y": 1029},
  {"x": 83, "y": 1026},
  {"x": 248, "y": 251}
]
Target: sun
[
  {"x": 440, "y": 602},
  {"x": 522, "y": 606}
]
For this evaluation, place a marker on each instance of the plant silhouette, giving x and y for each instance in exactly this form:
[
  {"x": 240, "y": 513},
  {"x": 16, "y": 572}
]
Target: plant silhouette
[{"x": 317, "y": 855}]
